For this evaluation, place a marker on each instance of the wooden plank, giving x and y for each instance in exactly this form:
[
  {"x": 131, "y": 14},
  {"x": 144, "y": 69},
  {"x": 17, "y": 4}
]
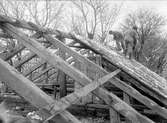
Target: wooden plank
[
  {"x": 4, "y": 35},
  {"x": 29, "y": 56},
  {"x": 96, "y": 48},
  {"x": 42, "y": 73},
  {"x": 114, "y": 80},
  {"x": 98, "y": 75},
  {"x": 78, "y": 94},
  {"x": 137, "y": 95},
  {"x": 30, "y": 26},
  {"x": 114, "y": 116},
  {"x": 109, "y": 98},
  {"x": 126, "y": 98},
  {"x": 42, "y": 79},
  {"x": 33, "y": 68},
  {"x": 149, "y": 81},
  {"x": 61, "y": 77},
  {"x": 29, "y": 91},
  {"x": 77, "y": 86},
  {"x": 162, "y": 111},
  {"x": 86, "y": 62},
  {"x": 7, "y": 56}
]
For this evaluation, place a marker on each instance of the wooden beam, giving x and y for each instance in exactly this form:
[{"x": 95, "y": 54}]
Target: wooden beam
[
  {"x": 43, "y": 72},
  {"x": 160, "y": 110},
  {"x": 26, "y": 25},
  {"x": 114, "y": 116},
  {"x": 29, "y": 91},
  {"x": 7, "y": 56},
  {"x": 109, "y": 98},
  {"x": 29, "y": 56},
  {"x": 72, "y": 98},
  {"x": 148, "y": 81},
  {"x": 31, "y": 26},
  {"x": 61, "y": 76},
  {"x": 36, "y": 66},
  {"x": 126, "y": 98},
  {"x": 114, "y": 81},
  {"x": 33, "y": 68},
  {"x": 40, "y": 80},
  {"x": 4, "y": 35}
]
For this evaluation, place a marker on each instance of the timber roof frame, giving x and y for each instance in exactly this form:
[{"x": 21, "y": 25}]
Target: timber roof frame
[{"x": 148, "y": 81}]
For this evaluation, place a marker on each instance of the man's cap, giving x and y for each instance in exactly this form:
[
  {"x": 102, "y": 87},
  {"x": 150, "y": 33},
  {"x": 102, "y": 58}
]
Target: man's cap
[
  {"x": 110, "y": 32},
  {"x": 134, "y": 27}
]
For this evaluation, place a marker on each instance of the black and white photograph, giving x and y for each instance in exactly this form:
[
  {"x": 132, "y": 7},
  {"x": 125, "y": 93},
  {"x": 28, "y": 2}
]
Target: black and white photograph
[{"x": 83, "y": 61}]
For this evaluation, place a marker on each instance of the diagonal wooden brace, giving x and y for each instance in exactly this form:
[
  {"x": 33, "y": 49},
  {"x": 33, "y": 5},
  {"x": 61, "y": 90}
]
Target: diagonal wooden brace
[{"x": 78, "y": 94}]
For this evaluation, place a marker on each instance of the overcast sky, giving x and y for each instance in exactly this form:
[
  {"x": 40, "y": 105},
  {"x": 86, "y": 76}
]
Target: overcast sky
[
  {"x": 159, "y": 6},
  {"x": 129, "y": 6}
]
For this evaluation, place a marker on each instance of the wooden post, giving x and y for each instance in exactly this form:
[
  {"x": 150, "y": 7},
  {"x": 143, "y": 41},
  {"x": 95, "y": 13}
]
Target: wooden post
[
  {"x": 46, "y": 80},
  {"x": 77, "y": 86},
  {"x": 126, "y": 98},
  {"x": 97, "y": 76},
  {"x": 62, "y": 82},
  {"x": 32, "y": 93},
  {"x": 83, "y": 69},
  {"x": 61, "y": 77},
  {"x": 55, "y": 90},
  {"x": 46, "y": 74},
  {"x": 31, "y": 75},
  {"x": 114, "y": 116}
]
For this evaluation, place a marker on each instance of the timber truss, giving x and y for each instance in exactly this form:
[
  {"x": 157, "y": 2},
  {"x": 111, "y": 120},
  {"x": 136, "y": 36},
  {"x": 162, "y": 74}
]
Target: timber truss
[{"x": 132, "y": 78}]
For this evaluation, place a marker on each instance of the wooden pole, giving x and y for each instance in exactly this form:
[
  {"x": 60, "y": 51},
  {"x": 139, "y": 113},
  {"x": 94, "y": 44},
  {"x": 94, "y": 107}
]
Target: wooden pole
[{"x": 61, "y": 77}]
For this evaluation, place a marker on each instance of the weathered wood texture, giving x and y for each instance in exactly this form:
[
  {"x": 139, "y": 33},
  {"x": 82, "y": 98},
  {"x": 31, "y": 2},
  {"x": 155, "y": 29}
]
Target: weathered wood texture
[
  {"x": 126, "y": 98},
  {"x": 114, "y": 80},
  {"x": 88, "y": 45},
  {"x": 29, "y": 91},
  {"x": 149, "y": 81},
  {"x": 109, "y": 98},
  {"x": 114, "y": 116},
  {"x": 33, "y": 68},
  {"x": 78, "y": 94},
  {"x": 6, "y": 56},
  {"x": 42, "y": 73},
  {"x": 61, "y": 77}
]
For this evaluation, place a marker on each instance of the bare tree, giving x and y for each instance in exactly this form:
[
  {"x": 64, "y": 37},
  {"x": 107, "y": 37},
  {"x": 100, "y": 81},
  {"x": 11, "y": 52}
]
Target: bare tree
[
  {"x": 108, "y": 16},
  {"x": 77, "y": 24},
  {"x": 149, "y": 25},
  {"x": 97, "y": 17},
  {"x": 14, "y": 9},
  {"x": 45, "y": 13}
]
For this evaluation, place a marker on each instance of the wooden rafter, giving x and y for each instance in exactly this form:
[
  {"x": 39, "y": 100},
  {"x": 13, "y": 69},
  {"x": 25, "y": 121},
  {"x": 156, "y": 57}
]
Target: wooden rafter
[
  {"x": 147, "y": 80},
  {"x": 78, "y": 94},
  {"x": 146, "y": 101},
  {"x": 156, "y": 81},
  {"x": 134, "y": 69},
  {"x": 109, "y": 98},
  {"x": 30, "y": 91},
  {"x": 7, "y": 56}
]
